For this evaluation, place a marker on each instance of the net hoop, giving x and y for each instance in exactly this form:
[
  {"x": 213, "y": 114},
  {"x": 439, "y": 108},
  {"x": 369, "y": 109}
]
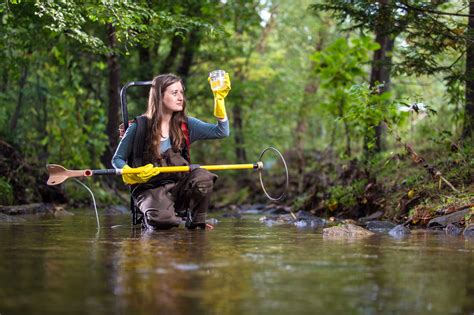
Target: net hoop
[{"x": 283, "y": 194}]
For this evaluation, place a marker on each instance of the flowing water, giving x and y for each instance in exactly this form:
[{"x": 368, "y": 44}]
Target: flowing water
[{"x": 62, "y": 266}]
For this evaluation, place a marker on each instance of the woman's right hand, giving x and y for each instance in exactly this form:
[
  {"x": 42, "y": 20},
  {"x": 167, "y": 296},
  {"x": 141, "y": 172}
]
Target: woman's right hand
[{"x": 219, "y": 96}]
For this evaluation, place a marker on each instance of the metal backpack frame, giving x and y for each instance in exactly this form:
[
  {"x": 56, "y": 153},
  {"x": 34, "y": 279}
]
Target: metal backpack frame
[{"x": 123, "y": 102}]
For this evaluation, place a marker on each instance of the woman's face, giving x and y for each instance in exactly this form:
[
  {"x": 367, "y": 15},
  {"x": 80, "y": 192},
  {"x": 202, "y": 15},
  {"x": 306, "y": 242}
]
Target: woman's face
[{"x": 173, "y": 98}]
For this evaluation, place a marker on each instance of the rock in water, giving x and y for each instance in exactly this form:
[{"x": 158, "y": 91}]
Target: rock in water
[
  {"x": 399, "y": 230},
  {"x": 452, "y": 229},
  {"x": 10, "y": 218},
  {"x": 346, "y": 231},
  {"x": 306, "y": 219},
  {"x": 469, "y": 231},
  {"x": 379, "y": 226}
]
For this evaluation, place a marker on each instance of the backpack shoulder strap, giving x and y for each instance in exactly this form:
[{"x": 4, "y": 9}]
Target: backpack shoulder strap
[{"x": 136, "y": 156}]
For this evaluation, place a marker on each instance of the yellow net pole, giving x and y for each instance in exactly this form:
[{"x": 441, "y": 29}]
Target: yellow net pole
[{"x": 175, "y": 169}]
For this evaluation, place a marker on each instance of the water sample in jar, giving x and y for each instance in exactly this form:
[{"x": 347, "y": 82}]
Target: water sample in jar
[{"x": 217, "y": 79}]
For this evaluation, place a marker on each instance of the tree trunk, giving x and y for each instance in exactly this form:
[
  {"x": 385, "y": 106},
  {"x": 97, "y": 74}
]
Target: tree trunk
[
  {"x": 468, "y": 127},
  {"x": 340, "y": 108},
  {"x": 191, "y": 46},
  {"x": 19, "y": 104},
  {"x": 238, "y": 134},
  {"x": 146, "y": 69},
  {"x": 42, "y": 119},
  {"x": 169, "y": 62},
  {"x": 114, "y": 99},
  {"x": 301, "y": 129},
  {"x": 381, "y": 67}
]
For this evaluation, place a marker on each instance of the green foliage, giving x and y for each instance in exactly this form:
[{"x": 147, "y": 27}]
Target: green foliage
[
  {"x": 342, "y": 62},
  {"x": 414, "y": 179},
  {"x": 368, "y": 109},
  {"x": 6, "y": 192},
  {"x": 135, "y": 23},
  {"x": 348, "y": 195}
]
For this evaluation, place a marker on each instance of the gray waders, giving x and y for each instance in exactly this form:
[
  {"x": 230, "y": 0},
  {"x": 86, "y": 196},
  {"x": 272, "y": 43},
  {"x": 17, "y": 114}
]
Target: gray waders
[{"x": 164, "y": 206}]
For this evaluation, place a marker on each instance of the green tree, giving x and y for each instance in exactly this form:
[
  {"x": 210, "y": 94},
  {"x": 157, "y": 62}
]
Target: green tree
[
  {"x": 339, "y": 66},
  {"x": 428, "y": 30}
]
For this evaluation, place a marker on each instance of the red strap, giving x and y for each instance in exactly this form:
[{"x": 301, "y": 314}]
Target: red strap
[{"x": 184, "y": 128}]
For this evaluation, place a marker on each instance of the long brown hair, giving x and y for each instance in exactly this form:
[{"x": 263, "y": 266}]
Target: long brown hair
[{"x": 154, "y": 113}]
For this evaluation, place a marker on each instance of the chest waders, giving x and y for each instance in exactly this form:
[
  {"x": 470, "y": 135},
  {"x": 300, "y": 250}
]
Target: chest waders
[{"x": 167, "y": 198}]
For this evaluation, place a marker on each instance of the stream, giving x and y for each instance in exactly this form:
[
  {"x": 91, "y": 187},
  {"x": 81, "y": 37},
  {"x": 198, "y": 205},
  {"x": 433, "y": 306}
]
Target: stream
[{"x": 63, "y": 265}]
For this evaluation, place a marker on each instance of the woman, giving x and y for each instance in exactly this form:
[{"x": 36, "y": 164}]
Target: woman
[{"x": 159, "y": 138}]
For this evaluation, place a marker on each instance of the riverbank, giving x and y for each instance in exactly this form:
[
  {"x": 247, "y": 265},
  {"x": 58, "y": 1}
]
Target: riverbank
[
  {"x": 428, "y": 189},
  {"x": 432, "y": 189}
]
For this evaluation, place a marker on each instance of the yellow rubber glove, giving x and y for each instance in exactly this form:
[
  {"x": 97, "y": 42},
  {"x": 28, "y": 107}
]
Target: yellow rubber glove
[
  {"x": 145, "y": 174},
  {"x": 219, "y": 96}
]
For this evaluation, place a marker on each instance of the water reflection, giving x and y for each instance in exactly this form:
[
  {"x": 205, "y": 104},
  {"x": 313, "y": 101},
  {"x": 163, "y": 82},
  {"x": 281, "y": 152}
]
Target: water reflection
[
  {"x": 155, "y": 270},
  {"x": 59, "y": 266}
]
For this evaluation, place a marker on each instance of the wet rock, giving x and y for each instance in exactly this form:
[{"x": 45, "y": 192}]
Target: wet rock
[
  {"x": 8, "y": 212},
  {"x": 452, "y": 229},
  {"x": 301, "y": 214},
  {"x": 61, "y": 212},
  {"x": 379, "y": 226},
  {"x": 302, "y": 224},
  {"x": 10, "y": 218},
  {"x": 399, "y": 230},
  {"x": 259, "y": 206},
  {"x": 447, "y": 219},
  {"x": 271, "y": 220},
  {"x": 251, "y": 209},
  {"x": 346, "y": 231},
  {"x": 307, "y": 219},
  {"x": 32, "y": 208},
  {"x": 469, "y": 231}
]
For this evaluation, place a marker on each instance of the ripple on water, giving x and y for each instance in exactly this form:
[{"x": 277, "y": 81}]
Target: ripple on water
[{"x": 186, "y": 267}]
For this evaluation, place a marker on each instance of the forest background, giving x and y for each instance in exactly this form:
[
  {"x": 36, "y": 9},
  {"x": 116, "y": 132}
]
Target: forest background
[{"x": 371, "y": 102}]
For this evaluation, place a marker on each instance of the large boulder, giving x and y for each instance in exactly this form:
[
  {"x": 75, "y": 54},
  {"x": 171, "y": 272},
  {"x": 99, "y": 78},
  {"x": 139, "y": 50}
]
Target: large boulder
[{"x": 444, "y": 220}]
